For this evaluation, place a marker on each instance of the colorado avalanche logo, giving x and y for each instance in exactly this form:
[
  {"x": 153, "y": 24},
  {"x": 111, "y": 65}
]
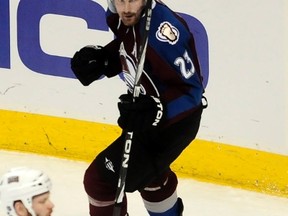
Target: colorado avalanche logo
[
  {"x": 129, "y": 70},
  {"x": 129, "y": 80},
  {"x": 167, "y": 33}
]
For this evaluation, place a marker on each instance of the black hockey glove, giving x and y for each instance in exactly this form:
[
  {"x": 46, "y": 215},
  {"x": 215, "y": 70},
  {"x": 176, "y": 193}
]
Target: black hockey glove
[
  {"x": 89, "y": 63},
  {"x": 144, "y": 114}
]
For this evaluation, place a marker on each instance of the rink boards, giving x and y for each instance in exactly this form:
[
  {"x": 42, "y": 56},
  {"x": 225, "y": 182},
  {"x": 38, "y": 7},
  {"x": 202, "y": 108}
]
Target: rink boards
[
  {"x": 244, "y": 141},
  {"x": 202, "y": 160}
]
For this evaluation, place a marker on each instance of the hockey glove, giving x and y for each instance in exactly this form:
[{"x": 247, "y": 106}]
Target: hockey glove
[
  {"x": 144, "y": 114},
  {"x": 89, "y": 63}
]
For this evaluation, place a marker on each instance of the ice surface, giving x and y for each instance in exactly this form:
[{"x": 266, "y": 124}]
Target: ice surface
[{"x": 200, "y": 199}]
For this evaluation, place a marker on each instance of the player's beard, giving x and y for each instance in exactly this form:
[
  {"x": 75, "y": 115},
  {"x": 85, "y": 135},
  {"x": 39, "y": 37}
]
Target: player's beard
[{"x": 130, "y": 19}]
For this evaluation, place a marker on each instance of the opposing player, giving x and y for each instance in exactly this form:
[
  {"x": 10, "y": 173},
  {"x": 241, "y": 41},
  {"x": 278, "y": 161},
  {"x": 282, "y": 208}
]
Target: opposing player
[
  {"x": 165, "y": 117},
  {"x": 26, "y": 192}
]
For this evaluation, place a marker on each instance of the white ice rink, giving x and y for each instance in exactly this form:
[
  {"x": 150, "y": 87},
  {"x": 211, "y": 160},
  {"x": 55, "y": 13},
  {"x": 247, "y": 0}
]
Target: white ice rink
[{"x": 200, "y": 199}]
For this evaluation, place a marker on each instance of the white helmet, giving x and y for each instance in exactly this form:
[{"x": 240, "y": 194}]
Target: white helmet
[
  {"x": 111, "y": 5},
  {"x": 22, "y": 184}
]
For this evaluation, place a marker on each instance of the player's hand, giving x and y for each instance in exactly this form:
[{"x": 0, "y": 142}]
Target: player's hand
[
  {"x": 88, "y": 64},
  {"x": 144, "y": 114}
]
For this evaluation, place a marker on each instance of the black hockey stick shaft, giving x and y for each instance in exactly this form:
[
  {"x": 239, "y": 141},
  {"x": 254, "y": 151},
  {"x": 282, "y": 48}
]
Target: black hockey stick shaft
[{"x": 120, "y": 193}]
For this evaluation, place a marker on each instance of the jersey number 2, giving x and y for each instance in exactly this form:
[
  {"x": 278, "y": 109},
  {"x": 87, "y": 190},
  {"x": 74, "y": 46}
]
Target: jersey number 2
[{"x": 182, "y": 62}]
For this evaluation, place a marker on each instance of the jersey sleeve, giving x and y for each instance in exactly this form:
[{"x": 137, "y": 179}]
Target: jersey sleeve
[
  {"x": 173, "y": 41},
  {"x": 114, "y": 66}
]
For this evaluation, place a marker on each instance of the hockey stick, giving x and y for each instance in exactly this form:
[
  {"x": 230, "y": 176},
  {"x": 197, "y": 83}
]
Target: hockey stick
[{"x": 120, "y": 193}]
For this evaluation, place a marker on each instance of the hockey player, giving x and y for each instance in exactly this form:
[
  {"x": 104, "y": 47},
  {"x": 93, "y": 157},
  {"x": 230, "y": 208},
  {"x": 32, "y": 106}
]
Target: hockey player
[
  {"x": 165, "y": 117},
  {"x": 26, "y": 192}
]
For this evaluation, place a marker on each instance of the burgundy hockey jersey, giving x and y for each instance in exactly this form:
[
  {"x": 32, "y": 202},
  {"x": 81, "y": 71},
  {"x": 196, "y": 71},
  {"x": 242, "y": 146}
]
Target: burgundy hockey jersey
[{"x": 171, "y": 69}]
